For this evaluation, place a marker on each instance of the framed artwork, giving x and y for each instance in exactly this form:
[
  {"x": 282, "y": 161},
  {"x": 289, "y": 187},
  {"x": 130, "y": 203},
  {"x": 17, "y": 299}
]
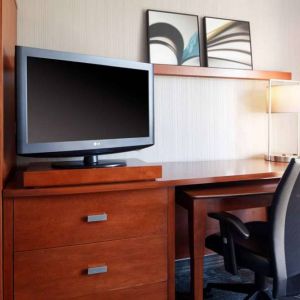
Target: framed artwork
[
  {"x": 173, "y": 38},
  {"x": 227, "y": 43}
]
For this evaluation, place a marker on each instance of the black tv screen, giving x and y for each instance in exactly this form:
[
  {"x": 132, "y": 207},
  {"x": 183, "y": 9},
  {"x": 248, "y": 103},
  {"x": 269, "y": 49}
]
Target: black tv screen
[
  {"x": 72, "y": 104},
  {"x": 72, "y": 101}
]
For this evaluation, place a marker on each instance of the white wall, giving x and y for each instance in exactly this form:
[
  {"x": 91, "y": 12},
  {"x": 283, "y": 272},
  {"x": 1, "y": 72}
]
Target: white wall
[{"x": 196, "y": 119}]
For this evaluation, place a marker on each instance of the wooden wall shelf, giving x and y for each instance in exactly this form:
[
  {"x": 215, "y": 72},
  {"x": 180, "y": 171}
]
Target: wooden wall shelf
[{"x": 169, "y": 70}]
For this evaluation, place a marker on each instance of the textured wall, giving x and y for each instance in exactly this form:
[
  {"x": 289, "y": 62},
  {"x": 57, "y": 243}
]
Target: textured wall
[{"x": 196, "y": 119}]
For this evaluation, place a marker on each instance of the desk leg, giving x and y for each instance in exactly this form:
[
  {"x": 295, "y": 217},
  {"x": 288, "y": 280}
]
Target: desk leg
[{"x": 197, "y": 224}]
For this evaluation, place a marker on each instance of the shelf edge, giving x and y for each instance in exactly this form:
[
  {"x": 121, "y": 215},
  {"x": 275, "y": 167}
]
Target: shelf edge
[{"x": 186, "y": 71}]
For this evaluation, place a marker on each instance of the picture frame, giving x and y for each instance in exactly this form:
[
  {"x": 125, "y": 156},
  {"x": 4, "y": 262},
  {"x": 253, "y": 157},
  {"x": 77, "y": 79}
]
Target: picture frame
[
  {"x": 227, "y": 43},
  {"x": 173, "y": 38}
]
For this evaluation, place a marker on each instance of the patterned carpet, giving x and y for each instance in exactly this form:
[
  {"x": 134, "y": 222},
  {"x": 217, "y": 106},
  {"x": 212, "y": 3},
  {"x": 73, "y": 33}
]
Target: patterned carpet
[{"x": 214, "y": 272}]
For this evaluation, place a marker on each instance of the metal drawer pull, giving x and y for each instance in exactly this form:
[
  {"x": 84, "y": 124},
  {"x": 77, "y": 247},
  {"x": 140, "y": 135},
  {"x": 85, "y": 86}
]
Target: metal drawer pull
[
  {"x": 97, "y": 218},
  {"x": 97, "y": 270}
]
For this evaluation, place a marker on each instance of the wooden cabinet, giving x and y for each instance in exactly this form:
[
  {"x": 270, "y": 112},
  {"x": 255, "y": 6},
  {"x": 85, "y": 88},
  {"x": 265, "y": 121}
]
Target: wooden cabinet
[{"x": 104, "y": 245}]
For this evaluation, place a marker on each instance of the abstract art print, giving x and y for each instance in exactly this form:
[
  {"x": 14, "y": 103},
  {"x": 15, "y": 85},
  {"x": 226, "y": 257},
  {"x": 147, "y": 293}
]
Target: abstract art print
[
  {"x": 173, "y": 38},
  {"x": 227, "y": 43}
]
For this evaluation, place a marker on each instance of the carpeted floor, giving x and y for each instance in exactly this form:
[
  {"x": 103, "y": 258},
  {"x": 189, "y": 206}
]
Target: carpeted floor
[{"x": 214, "y": 272}]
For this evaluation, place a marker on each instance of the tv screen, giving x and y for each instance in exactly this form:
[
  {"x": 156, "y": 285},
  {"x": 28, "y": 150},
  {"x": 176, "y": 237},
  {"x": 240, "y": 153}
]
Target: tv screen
[
  {"x": 76, "y": 105},
  {"x": 71, "y": 101}
]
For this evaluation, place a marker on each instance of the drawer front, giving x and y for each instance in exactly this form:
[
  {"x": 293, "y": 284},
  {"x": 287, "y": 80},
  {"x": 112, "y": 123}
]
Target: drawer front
[
  {"x": 54, "y": 221},
  {"x": 79, "y": 271},
  {"x": 156, "y": 291}
]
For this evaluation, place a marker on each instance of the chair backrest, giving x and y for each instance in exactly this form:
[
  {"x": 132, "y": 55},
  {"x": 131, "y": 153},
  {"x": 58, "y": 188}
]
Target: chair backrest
[{"x": 285, "y": 224}]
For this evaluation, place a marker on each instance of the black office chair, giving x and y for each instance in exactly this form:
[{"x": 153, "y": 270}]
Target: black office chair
[{"x": 270, "y": 249}]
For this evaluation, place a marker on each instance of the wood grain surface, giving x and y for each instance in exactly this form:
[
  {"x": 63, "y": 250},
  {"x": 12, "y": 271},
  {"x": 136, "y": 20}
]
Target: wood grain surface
[
  {"x": 61, "y": 273},
  {"x": 42, "y": 175},
  {"x": 187, "y": 71},
  {"x": 174, "y": 174},
  {"x": 8, "y": 39},
  {"x": 62, "y": 220}
]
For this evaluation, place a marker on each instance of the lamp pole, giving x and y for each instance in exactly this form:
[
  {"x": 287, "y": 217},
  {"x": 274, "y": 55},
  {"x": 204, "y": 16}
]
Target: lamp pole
[{"x": 298, "y": 131}]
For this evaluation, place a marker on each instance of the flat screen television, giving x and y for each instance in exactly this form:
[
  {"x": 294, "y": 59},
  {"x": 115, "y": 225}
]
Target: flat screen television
[{"x": 81, "y": 105}]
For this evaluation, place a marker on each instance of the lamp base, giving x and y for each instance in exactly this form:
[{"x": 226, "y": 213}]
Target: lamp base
[{"x": 285, "y": 158}]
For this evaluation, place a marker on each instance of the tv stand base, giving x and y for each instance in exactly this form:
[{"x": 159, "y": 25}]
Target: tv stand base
[
  {"x": 90, "y": 161},
  {"x": 78, "y": 173}
]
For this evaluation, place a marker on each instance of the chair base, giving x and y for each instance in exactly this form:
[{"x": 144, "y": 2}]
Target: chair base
[
  {"x": 254, "y": 291},
  {"x": 258, "y": 295},
  {"x": 244, "y": 288}
]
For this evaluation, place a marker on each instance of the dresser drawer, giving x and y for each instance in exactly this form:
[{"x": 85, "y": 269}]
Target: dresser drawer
[
  {"x": 62, "y": 273},
  {"x": 54, "y": 221},
  {"x": 157, "y": 291}
]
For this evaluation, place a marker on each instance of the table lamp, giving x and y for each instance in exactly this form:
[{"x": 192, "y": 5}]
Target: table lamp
[{"x": 283, "y": 97}]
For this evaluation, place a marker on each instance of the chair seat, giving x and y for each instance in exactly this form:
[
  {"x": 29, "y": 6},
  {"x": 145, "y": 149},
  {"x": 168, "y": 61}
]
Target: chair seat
[{"x": 253, "y": 253}]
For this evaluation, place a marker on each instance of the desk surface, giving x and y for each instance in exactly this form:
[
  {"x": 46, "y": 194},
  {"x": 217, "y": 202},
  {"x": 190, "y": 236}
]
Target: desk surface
[
  {"x": 201, "y": 172},
  {"x": 174, "y": 174},
  {"x": 249, "y": 188}
]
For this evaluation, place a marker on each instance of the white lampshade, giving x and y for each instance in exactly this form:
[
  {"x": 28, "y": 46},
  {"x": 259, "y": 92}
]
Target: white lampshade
[{"x": 285, "y": 98}]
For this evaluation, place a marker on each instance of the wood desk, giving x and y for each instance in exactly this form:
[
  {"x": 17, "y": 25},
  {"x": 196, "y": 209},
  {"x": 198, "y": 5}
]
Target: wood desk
[
  {"x": 256, "y": 175},
  {"x": 227, "y": 186},
  {"x": 217, "y": 198}
]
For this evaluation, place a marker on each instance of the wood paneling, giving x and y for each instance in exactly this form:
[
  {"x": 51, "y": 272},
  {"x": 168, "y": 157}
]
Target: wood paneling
[
  {"x": 61, "y": 273},
  {"x": 8, "y": 252},
  {"x": 62, "y": 220},
  {"x": 9, "y": 39},
  {"x": 186, "y": 71},
  {"x": 8, "y": 36}
]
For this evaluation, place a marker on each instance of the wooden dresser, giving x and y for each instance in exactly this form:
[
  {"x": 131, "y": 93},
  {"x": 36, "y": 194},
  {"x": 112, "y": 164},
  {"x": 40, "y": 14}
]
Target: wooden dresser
[
  {"x": 87, "y": 242},
  {"x": 111, "y": 241}
]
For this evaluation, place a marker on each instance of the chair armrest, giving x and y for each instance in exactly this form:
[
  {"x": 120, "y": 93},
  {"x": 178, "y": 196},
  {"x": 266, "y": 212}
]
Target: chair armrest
[{"x": 233, "y": 222}]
